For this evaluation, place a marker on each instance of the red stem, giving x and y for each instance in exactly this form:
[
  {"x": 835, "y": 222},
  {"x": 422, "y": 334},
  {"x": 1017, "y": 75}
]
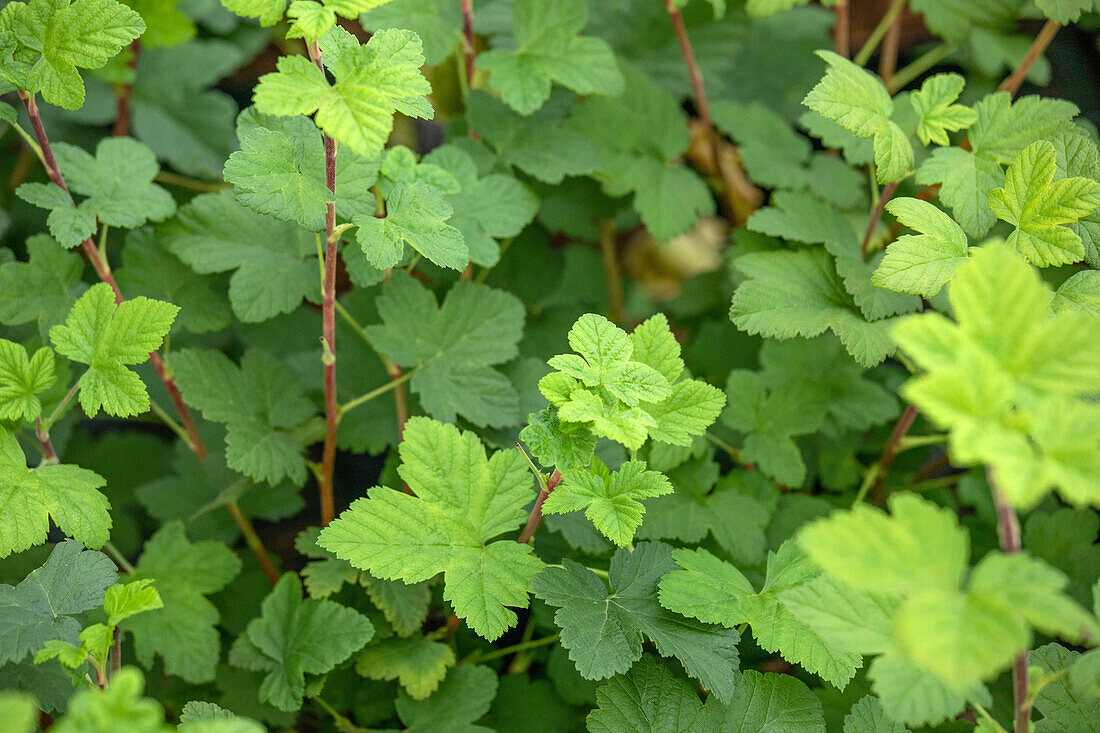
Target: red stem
[
  {"x": 696, "y": 77},
  {"x": 841, "y": 30},
  {"x": 1008, "y": 528},
  {"x": 104, "y": 271},
  {"x": 890, "y": 452},
  {"x": 876, "y": 216},
  {"x": 536, "y": 512},
  {"x": 125, "y": 94},
  {"x": 49, "y": 455},
  {"x": 1016, "y": 78},
  {"x": 468, "y": 47},
  {"x": 328, "y": 324}
]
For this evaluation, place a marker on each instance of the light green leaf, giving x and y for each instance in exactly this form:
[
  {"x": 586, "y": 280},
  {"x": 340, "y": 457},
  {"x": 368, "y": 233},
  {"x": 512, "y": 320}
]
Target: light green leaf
[
  {"x": 417, "y": 663},
  {"x": 22, "y": 379},
  {"x": 121, "y": 601},
  {"x": 923, "y": 263},
  {"x": 416, "y": 214},
  {"x": 934, "y": 102}
]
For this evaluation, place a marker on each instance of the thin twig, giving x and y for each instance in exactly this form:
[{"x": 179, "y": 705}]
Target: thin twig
[
  {"x": 876, "y": 216},
  {"x": 49, "y": 455},
  {"x": 918, "y": 66},
  {"x": 842, "y": 39},
  {"x": 879, "y": 31},
  {"x": 700, "y": 92},
  {"x": 328, "y": 323},
  {"x": 1016, "y": 78},
  {"x": 468, "y": 47},
  {"x": 536, "y": 511},
  {"x": 890, "y": 452},
  {"x": 611, "y": 274},
  {"x": 1008, "y": 529},
  {"x": 126, "y": 93},
  {"x": 390, "y": 385},
  {"x": 194, "y": 440},
  {"x": 888, "y": 60}
]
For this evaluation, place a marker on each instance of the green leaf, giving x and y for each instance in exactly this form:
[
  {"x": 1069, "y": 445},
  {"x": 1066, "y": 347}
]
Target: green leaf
[
  {"x": 269, "y": 12},
  {"x": 463, "y": 500},
  {"x": 1039, "y": 207},
  {"x": 280, "y": 171},
  {"x": 640, "y": 138},
  {"x": 107, "y": 337},
  {"x": 416, "y": 214},
  {"x": 69, "y": 224},
  {"x": 605, "y": 362},
  {"x": 769, "y": 702},
  {"x": 935, "y": 104},
  {"x": 611, "y": 500},
  {"x": 45, "y": 604},
  {"x": 42, "y": 289},
  {"x": 603, "y": 630},
  {"x": 648, "y": 699},
  {"x": 1064, "y": 11},
  {"x": 714, "y": 591},
  {"x": 294, "y": 637},
  {"x": 165, "y": 24},
  {"x": 917, "y": 547},
  {"x": 462, "y": 698},
  {"x": 455, "y": 345},
  {"x": 119, "y": 706},
  {"x": 118, "y": 181},
  {"x": 20, "y": 711},
  {"x": 790, "y": 294},
  {"x": 55, "y": 38},
  {"x": 437, "y": 24},
  {"x": 261, "y": 403},
  {"x": 121, "y": 601},
  {"x": 274, "y": 264},
  {"x": 913, "y": 696},
  {"x": 30, "y": 498},
  {"x": 184, "y": 631},
  {"x": 1080, "y": 291},
  {"x": 486, "y": 208},
  {"x": 556, "y": 443},
  {"x": 858, "y": 102},
  {"x": 867, "y": 716},
  {"x": 372, "y": 82},
  {"x": 22, "y": 379},
  {"x": 1062, "y": 709},
  {"x": 417, "y": 663},
  {"x": 548, "y": 49},
  {"x": 1006, "y": 379},
  {"x": 921, "y": 264}
]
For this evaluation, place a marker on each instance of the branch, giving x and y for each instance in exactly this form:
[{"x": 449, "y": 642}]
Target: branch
[
  {"x": 126, "y": 93},
  {"x": 842, "y": 40},
  {"x": 890, "y": 452},
  {"x": 468, "y": 47},
  {"x": 194, "y": 440},
  {"x": 879, "y": 31},
  {"x": 536, "y": 512},
  {"x": 876, "y": 217},
  {"x": 611, "y": 270},
  {"x": 328, "y": 324},
  {"x": 888, "y": 60},
  {"x": 1008, "y": 528},
  {"x": 1016, "y": 78}
]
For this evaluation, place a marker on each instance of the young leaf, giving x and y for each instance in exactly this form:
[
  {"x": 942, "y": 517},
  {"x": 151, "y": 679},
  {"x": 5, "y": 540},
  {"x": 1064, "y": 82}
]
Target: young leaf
[
  {"x": 32, "y": 497},
  {"x": 603, "y": 630},
  {"x": 714, "y": 591},
  {"x": 372, "y": 82},
  {"x": 184, "y": 631},
  {"x": 261, "y": 404},
  {"x": 935, "y": 103},
  {"x": 857, "y": 101},
  {"x": 548, "y": 49},
  {"x": 294, "y": 637},
  {"x": 923, "y": 263},
  {"x": 455, "y": 345},
  {"x": 107, "y": 337},
  {"x": 1006, "y": 379},
  {"x": 45, "y": 604},
  {"x": 1039, "y": 207},
  {"x": 611, "y": 500},
  {"x": 416, "y": 214},
  {"x": 56, "y": 37},
  {"x": 463, "y": 500},
  {"x": 556, "y": 443},
  {"x": 121, "y": 601},
  {"x": 22, "y": 379},
  {"x": 116, "y": 707}
]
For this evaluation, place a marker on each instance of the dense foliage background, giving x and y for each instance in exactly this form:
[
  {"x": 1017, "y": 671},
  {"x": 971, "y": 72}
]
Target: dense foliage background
[{"x": 549, "y": 365}]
